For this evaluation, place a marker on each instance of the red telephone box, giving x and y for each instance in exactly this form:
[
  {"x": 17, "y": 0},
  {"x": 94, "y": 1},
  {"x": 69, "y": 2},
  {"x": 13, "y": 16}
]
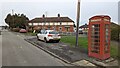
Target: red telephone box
[{"x": 99, "y": 37}]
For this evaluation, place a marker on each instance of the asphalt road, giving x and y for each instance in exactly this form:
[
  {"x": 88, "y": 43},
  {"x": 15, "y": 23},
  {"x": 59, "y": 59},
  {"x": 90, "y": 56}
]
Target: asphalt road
[{"x": 17, "y": 52}]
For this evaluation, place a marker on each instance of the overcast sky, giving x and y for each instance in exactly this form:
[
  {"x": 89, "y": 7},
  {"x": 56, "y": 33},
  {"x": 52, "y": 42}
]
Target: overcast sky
[{"x": 36, "y": 8}]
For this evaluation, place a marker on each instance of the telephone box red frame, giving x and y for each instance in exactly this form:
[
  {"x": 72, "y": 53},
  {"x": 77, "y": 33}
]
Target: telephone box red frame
[{"x": 101, "y": 46}]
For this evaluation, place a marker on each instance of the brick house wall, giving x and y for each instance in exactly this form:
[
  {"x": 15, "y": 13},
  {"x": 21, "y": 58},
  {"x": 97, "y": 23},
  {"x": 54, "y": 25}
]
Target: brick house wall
[
  {"x": 61, "y": 24},
  {"x": 58, "y": 28}
]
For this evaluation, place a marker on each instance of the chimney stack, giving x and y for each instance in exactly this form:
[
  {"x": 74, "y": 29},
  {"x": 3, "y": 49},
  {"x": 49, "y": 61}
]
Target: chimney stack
[
  {"x": 43, "y": 16},
  {"x": 58, "y": 15}
]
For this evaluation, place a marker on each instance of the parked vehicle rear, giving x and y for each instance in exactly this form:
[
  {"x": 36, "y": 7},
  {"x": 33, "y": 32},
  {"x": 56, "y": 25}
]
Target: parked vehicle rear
[{"x": 49, "y": 35}]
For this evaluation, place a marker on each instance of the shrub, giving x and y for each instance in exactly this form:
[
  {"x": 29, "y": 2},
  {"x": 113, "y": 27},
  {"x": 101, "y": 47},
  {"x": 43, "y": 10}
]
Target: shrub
[{"x": 115, "y": 31}]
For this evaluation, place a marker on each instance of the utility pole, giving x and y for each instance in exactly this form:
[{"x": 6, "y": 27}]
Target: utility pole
[{"x": 78, "y": 16}]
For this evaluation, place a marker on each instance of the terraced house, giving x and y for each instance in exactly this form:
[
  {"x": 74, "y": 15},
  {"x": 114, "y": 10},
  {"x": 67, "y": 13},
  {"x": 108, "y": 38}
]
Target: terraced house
[{"x": 62, "y": 24}]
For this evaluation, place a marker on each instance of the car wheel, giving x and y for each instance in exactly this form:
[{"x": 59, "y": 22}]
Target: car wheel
[
  {"x": 45, "y": 40},
  {"x": 57, "y": 41},
  {"x": 37, "y": 38}
]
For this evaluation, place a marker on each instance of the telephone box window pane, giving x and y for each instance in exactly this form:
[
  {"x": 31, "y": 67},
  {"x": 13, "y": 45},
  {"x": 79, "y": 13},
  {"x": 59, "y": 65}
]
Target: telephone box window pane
[
  {"x": 96, "y": 25},
  {"x": 95, "y": 51},
  {"x": 93, "y": 26},
  {"x": 107, "y": 26},
  {"x": 96, "y": 41},
  {"x": 106, "y": 29},
  {"x": 107, "y": 34},
  {"x": 106, "y": 44},
  {"x": 96, "y": 32},
  {"x": 106, "y": 39},
  {"x": 95, "y": 38},
  {"x": 96, "y": 29}
]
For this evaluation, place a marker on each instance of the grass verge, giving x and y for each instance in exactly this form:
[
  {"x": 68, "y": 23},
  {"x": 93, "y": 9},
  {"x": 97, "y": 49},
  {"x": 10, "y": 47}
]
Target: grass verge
[{"x": 83, "y": 42}]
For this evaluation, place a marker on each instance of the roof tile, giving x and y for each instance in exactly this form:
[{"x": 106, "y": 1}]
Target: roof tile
[{"x": 51, "y": 19}]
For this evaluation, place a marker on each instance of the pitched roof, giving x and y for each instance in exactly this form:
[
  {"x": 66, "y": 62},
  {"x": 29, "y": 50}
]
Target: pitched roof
[
  {"x": 51, "y": 19},
  {"x": 84, "y": 26}
]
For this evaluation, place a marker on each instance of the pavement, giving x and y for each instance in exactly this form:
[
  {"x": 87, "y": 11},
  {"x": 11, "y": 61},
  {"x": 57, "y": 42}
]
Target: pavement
[
  {"x": 76, "y": 56},
  {"x": 17, "y": 52}
]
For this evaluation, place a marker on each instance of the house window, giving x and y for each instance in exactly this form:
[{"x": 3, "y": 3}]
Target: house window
[
  {"x": 35, "y": 24},
  {"x": 67, "y": 28},
  {"x": 30, "y": 24}
]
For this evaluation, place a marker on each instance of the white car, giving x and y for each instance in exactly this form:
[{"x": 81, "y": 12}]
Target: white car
[{"x": 48, "y": 35}]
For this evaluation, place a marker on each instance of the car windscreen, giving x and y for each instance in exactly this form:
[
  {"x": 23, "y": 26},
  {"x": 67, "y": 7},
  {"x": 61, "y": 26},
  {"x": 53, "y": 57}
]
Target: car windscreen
[{"x": 53, "y": 32}]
